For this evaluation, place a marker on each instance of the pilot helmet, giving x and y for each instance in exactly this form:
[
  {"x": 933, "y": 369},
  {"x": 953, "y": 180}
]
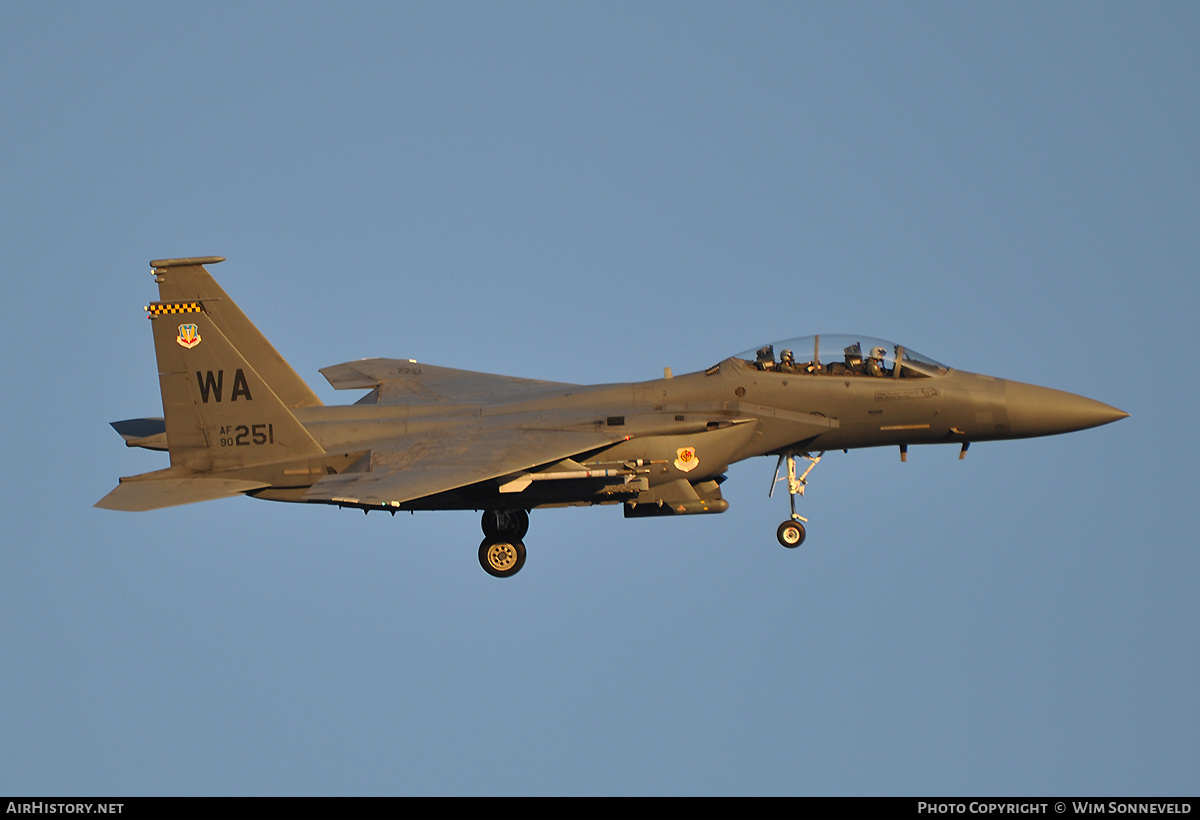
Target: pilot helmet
[
  {"x": 786, "y": 356},
  {"x": 878, "y": 353}
]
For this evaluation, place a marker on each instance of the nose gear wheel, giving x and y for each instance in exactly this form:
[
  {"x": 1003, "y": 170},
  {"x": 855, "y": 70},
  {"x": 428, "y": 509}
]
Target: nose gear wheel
[{"x": 790, "y": 534}]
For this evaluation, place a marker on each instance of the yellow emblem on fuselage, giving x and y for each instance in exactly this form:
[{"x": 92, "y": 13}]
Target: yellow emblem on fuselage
[{"x": 686, "y": 460}]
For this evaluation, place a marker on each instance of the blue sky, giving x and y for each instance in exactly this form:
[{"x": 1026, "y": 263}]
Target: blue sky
[{"x": 591, "y": 192}]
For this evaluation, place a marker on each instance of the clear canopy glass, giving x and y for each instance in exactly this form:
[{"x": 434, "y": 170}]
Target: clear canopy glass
[{"x": 842, "y": 355}]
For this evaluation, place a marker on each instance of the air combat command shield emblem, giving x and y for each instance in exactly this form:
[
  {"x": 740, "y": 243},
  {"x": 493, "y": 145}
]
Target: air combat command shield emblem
[{"x": 189, "y": 336}]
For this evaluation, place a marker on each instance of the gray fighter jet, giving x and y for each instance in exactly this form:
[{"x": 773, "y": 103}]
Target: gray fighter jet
[{"x": 237, "y": 420}]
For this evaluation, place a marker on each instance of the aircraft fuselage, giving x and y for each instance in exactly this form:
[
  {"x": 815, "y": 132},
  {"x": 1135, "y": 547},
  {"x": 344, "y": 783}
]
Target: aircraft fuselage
[{"x": 726, "y": 414}]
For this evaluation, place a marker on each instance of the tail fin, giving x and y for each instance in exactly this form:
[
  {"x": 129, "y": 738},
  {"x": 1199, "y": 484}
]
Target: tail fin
[
  {"x": 226, "y": 392},
  {"x": 186, "y": 281},
  {"x": 227, "y": 398}
]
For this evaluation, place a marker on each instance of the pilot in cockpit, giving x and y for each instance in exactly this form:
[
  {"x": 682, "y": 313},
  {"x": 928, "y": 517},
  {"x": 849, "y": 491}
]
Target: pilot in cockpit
[
  {"x": 765, "y": 358},
  {"x": 787, "y": 362},
  {"x": 854, "y": 360},
  {"x": 875, "y": 362}
]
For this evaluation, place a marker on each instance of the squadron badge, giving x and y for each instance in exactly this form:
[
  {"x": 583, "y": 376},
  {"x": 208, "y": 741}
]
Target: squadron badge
[
  {"x": 685, "y": 459},
  {"x": 189, "y": 336}
]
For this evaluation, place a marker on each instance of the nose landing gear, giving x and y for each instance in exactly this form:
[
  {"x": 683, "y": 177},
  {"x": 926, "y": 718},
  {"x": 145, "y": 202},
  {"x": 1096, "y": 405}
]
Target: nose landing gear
[{"x": 791, "y": 532}]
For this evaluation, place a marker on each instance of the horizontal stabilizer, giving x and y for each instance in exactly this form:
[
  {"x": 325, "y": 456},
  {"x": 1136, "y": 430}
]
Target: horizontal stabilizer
[
  {"x": 138, "y": 495},
  {"x": 149, "y": 433}
]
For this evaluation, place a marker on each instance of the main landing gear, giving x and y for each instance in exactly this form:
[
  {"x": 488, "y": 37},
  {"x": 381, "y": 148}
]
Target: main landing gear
[
  {"x": 502, "y": 553},
  {"x": 791, "y": 532}
]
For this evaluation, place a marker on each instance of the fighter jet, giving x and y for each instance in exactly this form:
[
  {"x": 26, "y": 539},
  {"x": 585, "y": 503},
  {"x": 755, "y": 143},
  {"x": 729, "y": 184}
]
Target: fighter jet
[{"x": 238, "y": 420}]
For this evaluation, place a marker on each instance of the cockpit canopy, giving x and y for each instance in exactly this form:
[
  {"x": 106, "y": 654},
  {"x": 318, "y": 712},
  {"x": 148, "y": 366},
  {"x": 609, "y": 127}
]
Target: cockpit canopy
[{"x": 842, "y": 355}]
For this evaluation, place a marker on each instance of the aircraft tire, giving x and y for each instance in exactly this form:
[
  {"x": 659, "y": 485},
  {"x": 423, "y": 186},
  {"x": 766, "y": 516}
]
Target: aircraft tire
[
  {"x": 501, "y": 557},
  {"x": 505, "y": 523},
  {"x": 790, "y": 534}
]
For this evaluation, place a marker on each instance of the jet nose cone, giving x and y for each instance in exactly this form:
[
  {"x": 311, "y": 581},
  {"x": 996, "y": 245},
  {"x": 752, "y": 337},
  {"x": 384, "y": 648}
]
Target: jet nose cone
[{"x": 1041, "y": 411}]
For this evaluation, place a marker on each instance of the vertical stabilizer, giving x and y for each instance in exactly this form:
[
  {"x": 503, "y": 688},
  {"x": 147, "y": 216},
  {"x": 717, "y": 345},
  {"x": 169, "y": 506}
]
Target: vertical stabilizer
[
  {"x": 186, "y": 280},
  {"x": 221, "y": 410}
]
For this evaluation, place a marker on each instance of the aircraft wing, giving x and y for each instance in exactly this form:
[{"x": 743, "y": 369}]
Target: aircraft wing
[
  {"x": 419, "y": 466},
  {"x": 403, "y": 381}
]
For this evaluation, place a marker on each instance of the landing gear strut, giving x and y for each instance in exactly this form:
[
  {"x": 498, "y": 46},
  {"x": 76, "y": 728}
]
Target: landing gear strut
[
  {"x": 502, "y": 553},
  {"x": 791, "y": 532}
]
